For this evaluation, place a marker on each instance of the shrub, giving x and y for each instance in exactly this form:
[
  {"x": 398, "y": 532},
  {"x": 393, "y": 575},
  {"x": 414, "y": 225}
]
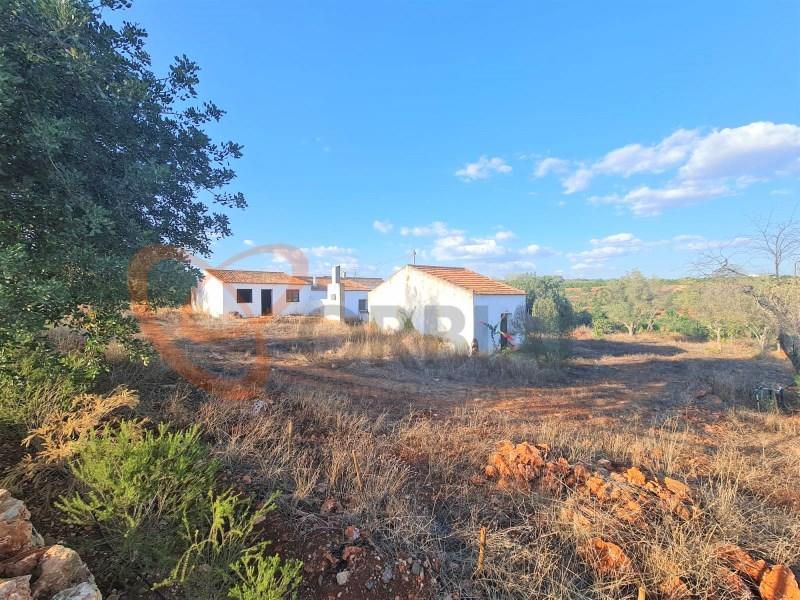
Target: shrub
[
  {"x": 138, "y": 487},
  {"x": 265, "y": 577},
  {"x": 210, "y": 565},
  {"x": 674, "y": 322},
  {"x": 602, "y": 325}
]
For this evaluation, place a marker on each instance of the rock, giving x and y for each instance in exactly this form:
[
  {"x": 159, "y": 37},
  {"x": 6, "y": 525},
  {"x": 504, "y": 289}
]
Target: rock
[
  {"x": 388, "y": 574},
  {"x": 605, "y": 558},
  {"x": 82, "y": 591},
  {"x": 676, "y": 487},
  {"x": 15, "y": 536},
  {"x": 732, "y": 586},
  {"x": 352, "y": 533},
  {"x": 22, "y": 563},
  {"x": 370, "y": 585},
  {"x": 741, "y": 562},
  {"x": 342, "y": 577},
  {"x": 416, "y": 568},
  {"x": 779, "y": 583},
  {"x": 635, "y": 476},
  {"x": 351, "y": 551},
  {"x": 12, "y": 509},
  {"x": 17, "y": 588},
  {"x": 59, "y": 569}
]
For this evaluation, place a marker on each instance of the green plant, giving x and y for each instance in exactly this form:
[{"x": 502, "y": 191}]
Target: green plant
[
  {"x": 602, "y": 325},
  {"x": 205, "y": 568},
  {"x": 138, "y": 487},
  {"x": 406, "y": 319},
  {"x": 264, "y": 577},
  {"x": 683, "y": 325}
]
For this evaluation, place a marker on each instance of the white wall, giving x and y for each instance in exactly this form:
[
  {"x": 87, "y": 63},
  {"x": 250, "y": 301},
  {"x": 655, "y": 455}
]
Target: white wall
[
  {"x": 490, "y": 309},
  {"x": 279, "y": 304},
  {"x": 207, "y": 297},
  {"x": 436, "y": 307}
]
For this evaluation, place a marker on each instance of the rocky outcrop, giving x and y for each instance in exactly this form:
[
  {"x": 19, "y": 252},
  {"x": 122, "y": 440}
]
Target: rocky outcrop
[{"x": 33, "y": 571}]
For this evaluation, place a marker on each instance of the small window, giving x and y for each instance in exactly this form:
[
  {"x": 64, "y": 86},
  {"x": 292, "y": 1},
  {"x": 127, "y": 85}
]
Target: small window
[
  {"x": 244, "y": 296},
  {"x": 293, "y": 295},
  {"x": 362, "y": 305}
]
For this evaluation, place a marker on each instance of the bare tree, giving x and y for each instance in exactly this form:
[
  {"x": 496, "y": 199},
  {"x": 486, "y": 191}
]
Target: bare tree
[{"x": 778, "y": 241}]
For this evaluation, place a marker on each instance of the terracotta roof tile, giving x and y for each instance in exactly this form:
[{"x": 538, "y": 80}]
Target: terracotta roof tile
[
  {"x": 469, "y": 280},
  {"x": 257, "y": 277}
]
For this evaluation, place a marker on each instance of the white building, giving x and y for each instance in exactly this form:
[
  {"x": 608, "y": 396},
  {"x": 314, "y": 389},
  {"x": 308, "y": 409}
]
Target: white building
[
  {"x": 451, "y": 302},
  {"x": 263, "y": 293}
]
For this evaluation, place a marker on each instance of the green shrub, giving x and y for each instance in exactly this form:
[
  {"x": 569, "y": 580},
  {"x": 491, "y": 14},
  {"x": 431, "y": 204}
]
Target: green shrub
[
  {"x": 139, "y": 488},
  {"x": 674, "y": 322},
  {"x": 264, "y": 577},
  {"x": 224, "y": 536},
  {"x": 602, "y": 325}
]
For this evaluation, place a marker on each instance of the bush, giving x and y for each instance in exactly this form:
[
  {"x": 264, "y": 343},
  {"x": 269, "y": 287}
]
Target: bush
[
  {"x": 674, "y": 322},
  {"x": 602, "y": 325},
  {"x": 139, "y": 487},
  {"x": 265, "y": 577},
  {"x": 210, "y": 566}
]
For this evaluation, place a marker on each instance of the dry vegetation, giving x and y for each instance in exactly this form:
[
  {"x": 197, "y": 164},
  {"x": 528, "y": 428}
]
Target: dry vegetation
[{"x": 392, "y": 434}]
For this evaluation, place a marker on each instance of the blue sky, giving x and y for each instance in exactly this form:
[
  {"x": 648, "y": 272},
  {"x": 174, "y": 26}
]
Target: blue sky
[{"x": 576, "y": 138}]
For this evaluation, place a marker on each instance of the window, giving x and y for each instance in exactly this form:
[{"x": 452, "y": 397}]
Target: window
[
  {"x": 244, "y": 295},
  {"x": 362, "y": 305},
  {"x": 293, "y": 295}
]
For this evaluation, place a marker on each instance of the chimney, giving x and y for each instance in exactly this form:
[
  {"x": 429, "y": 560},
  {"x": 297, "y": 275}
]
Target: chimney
[
  {"x": 336, "y": 274},
  {"x": 314, "y": 280}
]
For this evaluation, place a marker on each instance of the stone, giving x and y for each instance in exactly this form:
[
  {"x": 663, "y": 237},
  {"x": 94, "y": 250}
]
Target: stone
[
  {"x": 17, "y": 588},
  {"x": 370, "y": 585},
  {"x": 82, "y": 591},
  {"x": 605, "y": 558},
  {"x": 22, "y": 563},
  {"x": 635, "y": 476},
  {"x": 741, "y": 562},
  {"x": 330, "y": 505},
  {"x": 388, "y": 574},
  {"x": 351, "y": 551},
  {"x": 352, "y": 533},
  {"x": 416, "y": 568},
  {"x": 676, "y": 487},
  {"x": 15, "y": 536},
  {"x": 732, "y": 586},
  {"x": 779, "y": 583},
  {"x": 12, "y": 509},
  {"x": 342, "y": 577},
  {"x": 59, "y": 568}
]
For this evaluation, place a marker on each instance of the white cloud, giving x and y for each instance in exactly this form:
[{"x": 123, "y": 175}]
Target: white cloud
[
  {"x": 551, "y": 165},
  {"x": 617, "y": 238},
  {"x": 438, "y": 228},
  {"x": 382, "y": 226},
  {"x": 757, "y": 150},
  {"x": 699, "y": 242},
  {"x": 636, "y": 158},
  {"x": 504, "y": 235},
  {"x": 647, "y": 201},
  {"x": 483, "y": 168},
  {"x": 249, "y": 243},
  {"x": 703, "y": 166},
  {"x": 578, "y": 181}
]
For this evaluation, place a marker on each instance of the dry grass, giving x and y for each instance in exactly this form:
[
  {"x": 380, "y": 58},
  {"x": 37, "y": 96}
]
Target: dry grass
[{"x": 416, "y": 482}]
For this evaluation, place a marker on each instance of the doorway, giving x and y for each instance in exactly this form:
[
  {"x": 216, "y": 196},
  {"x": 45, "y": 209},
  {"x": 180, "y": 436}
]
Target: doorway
[
  {"x": 266, "y": 302},
  {"x": 504, "y": 331}
]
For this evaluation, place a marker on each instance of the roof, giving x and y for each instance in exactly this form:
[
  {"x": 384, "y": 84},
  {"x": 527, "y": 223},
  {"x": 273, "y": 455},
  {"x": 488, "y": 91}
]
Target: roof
[
  {"x": 237, "y": 276},
  {"x": 469, "y": 280},
  {"x": 354, "y": 284}
]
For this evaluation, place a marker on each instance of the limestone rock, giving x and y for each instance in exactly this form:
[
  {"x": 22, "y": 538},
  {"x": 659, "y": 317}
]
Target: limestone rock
[
  {"x": 59, "y": 568},
  {"x": 17, "y": 588},
  {"x": 779, "y": 583},
  {"x": 82, "y": 591},
  {"x": 605, "y": 558}
]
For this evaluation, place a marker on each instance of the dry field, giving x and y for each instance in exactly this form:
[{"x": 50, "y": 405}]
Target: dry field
[{"x": 380, "y": 446}]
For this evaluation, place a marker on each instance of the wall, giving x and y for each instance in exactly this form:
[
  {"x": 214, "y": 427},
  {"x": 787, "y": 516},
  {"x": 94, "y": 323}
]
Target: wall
[
  {"x": 490, "y": 309},
  {"x": 279, "y": 304},
  {"x": 207, "y": 296},
  {"x": 436, "y": 307}
]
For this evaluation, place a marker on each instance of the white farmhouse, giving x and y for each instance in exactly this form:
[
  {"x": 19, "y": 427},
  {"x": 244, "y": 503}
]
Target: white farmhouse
[
  {"x": 265, "y": 293},
  {"x": 451, "y": 302}
]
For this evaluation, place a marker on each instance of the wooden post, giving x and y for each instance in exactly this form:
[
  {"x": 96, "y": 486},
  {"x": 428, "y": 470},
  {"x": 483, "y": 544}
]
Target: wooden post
[
  {"x": 289, "y": 432},
  {"x": 642, "y": 593},
  {"x": 481, "y": 551},
  {"x": 358, "y": 471}
]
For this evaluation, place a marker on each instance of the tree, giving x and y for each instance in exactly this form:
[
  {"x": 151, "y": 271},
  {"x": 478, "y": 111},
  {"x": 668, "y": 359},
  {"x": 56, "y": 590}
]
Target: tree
[
  {"x": 716, "y": 303},
  {"x": 547, "y": 302},
  {"x": 778, "y": 241},
  {"x": 99, "y": 157},
  {"x": 629, "y": 301}
]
